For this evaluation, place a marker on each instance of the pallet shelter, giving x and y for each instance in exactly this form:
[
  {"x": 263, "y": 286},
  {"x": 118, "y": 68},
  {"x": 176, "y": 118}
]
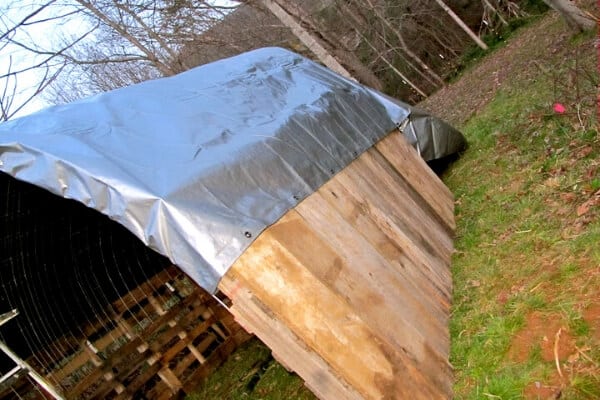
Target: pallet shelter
[
  {"x": 301, "y": 195},
  {"x": 100, "y": 315}
]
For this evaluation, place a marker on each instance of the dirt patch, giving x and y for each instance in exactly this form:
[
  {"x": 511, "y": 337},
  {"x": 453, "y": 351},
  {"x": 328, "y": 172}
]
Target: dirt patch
[
  {"x": 550, "y": 389},
  {"x": 591, "y": 315},
  {"x": 541, "y": 330},
  {"x": 547, "y": 332},
  {"x": 503, "y": 297}
]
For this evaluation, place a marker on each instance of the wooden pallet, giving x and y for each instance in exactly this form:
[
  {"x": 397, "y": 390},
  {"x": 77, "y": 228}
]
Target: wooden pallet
[
  {"x": 352, "y": 288},
  {"x": 161, "y": 339}
]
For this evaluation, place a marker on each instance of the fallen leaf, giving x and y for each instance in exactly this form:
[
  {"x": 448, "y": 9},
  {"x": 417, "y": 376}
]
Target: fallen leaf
[
  {"x": 583, "y": 209},
  {"x": 573, "y": 357},
  {"x": 552, "y": 203},
  {"x": 563, "y": 211},
  {"x": 567, "y": 234},
  {"x": 552, "y": 182},
  {"x": 584, "y": 152},
  {"x": 505, "y": 235},
  {"x": 558, "y": 171},
  {"x": 568, "y": 197},
  {"x": 591, "y": 173}
]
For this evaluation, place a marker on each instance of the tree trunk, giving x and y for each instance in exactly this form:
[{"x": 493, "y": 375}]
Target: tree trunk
[
  {"x": 575, "y": 18},
  {"x": 464, "y": 26},
  {"x": 306, "y": 38},
  {"x": 396, "y": 70},
  {"x": 412, "y": 55},
  {"x": 495, "y": 11},
  {"x": 333, "y": 42},
  {"x": 359, "y": 23},
  {"x": 295, "y": 17}
]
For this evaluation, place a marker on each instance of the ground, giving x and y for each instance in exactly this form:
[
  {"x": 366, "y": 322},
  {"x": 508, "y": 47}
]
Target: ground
[
  {"x": 526, "y": 316},
  {"x": 526, "y": 271}
]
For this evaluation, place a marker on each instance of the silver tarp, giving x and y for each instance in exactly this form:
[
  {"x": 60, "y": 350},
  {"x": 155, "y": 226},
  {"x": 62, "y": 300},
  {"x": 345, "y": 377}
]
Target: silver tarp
[{"x": 197, "y": 165}]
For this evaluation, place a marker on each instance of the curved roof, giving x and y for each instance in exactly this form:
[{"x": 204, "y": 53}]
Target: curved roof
[{"x": 198, "y": 164}]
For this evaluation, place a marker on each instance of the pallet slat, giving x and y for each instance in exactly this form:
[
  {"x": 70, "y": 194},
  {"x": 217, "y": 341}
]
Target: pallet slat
[{"x": 142, "y": 343}]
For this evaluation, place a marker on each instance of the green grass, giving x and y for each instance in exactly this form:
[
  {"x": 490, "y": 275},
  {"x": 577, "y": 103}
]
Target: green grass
[
  {"x": 251, "y": 373},
  {"x": 518, "y": 189}
]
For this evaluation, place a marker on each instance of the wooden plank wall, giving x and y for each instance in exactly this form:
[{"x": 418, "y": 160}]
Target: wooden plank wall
[
  {"x": 160, "y": 340},
  {"x": 352, "y": 288}
]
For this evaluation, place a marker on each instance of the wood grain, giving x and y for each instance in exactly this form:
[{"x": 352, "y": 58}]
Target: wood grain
[{"x": 352, "y": 288}]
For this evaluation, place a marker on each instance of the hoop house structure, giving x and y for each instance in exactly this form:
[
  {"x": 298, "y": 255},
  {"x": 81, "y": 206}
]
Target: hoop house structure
[{"x": 301, "y": 195}]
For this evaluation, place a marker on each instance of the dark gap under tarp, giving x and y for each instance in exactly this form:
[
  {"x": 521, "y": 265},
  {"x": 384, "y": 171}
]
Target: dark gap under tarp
[{"x": 61, "y": 264}]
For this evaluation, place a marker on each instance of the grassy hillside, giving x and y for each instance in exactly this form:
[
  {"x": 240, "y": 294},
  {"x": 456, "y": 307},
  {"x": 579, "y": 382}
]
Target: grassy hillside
[{"x": 526, "y": 315}]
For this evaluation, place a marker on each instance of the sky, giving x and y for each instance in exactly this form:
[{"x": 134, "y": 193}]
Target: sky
[{"x": 46, "y": 35}]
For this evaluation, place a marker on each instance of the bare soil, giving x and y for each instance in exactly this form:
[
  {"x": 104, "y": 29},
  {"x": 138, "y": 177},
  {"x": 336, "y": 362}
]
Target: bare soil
[
  {"x": 543, "y": 331},
  {"x": 519, "y": 58},
  {"x": 551, "y": 389},
  {"x": 591, "y": 315}
]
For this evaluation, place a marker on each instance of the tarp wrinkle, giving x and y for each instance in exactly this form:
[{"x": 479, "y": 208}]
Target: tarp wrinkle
[{"x": 197, "y": 165}]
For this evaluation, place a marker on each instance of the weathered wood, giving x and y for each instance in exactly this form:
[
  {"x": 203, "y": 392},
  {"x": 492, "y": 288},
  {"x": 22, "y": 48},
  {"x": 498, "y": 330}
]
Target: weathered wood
[
  {"x": 170, "y": 379},
  {"x": 141, "y": 292},
  {"x": 287, "y": 347},
  {"x": 392, "y": 244},
  {"x": 423, "y": 181},
  {"x": 184, "y": 342},
  {"x": 386, "y": 298},
  {"x": 352, "y": 288},
  {"x": 145, "y": 342}
]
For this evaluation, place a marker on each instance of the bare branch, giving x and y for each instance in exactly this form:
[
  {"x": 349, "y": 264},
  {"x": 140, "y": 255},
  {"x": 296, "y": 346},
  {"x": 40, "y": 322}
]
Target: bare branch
[
  {"x": 54, "y": 18},
  {"x": 164, "y": 68},
  {"x": 26, "y": 18}
]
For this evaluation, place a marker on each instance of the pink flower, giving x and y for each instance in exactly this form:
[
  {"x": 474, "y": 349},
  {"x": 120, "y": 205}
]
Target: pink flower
[{"x": 559, "y": 108}]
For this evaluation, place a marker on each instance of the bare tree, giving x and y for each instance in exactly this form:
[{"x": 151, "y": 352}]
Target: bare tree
[
  {"x": 404, "y": 46},
  {"x": 493, "y": 10},
  {"x": 462, "y": 25},
  {"x": 321, "y": 42},
  {"x": 306, "y": 37},
  {"x": 359, "y": 22},
  {"x": 43, "y": 65},
  {"x": 403, "y": 42},
  {"x": 575, "y": 17},
  {"x": 121, "y": 42},
  {"x": 246, "y": 28},
  {"x": 135, "y": 40}
]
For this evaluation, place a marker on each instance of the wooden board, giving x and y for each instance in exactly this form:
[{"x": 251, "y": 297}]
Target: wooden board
[
  {"x": 352, "y": 288},
  {"x": 157, "y": 341}
]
